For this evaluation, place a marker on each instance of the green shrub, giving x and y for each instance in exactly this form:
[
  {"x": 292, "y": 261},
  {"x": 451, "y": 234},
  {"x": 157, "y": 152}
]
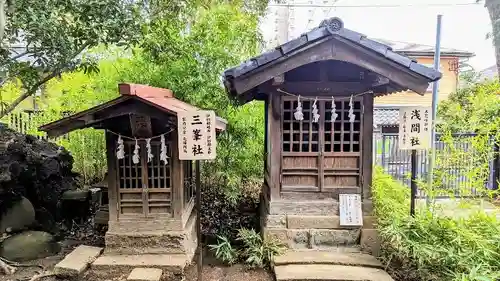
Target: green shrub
[
  {"x": 224, "y": 251},
  {"x": 430, "y": 246},
  {"x": 223, "y": 215},
  {"x": 257, "y": 252},
  {"x": 252, "y": 250}
]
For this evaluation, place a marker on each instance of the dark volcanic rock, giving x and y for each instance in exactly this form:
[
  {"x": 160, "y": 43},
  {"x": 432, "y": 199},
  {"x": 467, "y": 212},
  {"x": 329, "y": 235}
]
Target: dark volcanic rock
[{"x": 36, "y": 169}]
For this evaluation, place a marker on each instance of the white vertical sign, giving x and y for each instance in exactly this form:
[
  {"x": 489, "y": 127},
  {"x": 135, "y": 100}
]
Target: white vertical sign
[
  {"x": 415, "y": 128},
  {"x": 351, "y": 213},
  {"x": 196, "y": 135}
]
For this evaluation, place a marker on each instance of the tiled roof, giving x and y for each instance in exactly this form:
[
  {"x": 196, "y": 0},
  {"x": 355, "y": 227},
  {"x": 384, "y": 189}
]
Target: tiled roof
[
  {"x": 385, "y": 116},
  {"x": 412, "y": 49},
  {"x": 489, "y": 73},
  {"x": 329, "y": 28},
  {"x": 163, "y": 99}
]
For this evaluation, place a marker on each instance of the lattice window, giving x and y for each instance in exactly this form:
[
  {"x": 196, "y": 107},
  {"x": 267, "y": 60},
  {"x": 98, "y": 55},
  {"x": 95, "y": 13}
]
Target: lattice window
[
  {"x": 158, "y": 173},
  {"x": 189, "y": 180},
  {"x": 129, "y": 174},
  {"x": 299, "y": 136},
  {"x": 343, "y": 136}
]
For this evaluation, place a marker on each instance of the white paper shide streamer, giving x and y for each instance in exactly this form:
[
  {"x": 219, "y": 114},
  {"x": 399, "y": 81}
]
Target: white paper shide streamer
[
  {"x": 315, "y": 112},
  {"x": 163, "y": 150},
  {"x": 120, "y": 153},
  {"x": 148, "y": 150},
  {"x": 352, "y": 116},
  {"x": 135, "y": 157},
  {"x": 334, "y": 111},
  {"x": 299, "y": 116}
]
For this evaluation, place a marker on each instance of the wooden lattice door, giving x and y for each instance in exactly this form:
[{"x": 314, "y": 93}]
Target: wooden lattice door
[
  {"x": 318, "y": 156},
  {"x": 144, "y": 189}
]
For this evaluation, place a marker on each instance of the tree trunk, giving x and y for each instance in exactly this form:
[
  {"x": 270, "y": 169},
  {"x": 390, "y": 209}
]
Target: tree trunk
[{"x": 493, "y": 7}]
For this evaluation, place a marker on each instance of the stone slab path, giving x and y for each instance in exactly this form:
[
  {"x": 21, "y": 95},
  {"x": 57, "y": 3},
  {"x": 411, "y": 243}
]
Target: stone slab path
[
  {"x": 305, "y": 265},
  {"x": 298, "y": 272},
  {"x": 145, "y": 274},
  {"x": 172, "y": 262},
  {"x": 77, "y": 261}
]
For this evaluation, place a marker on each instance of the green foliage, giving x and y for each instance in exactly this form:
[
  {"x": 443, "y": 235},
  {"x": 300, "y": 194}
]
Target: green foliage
[
  {"x": 224, "y": 251},
  {"x": 46, "y": 38},
  {"x": 434, "y": 247},
  {"x": 190, "y": 64},
  {"x": 472, "y": 109},
  {"x": 254, "y": 251}
]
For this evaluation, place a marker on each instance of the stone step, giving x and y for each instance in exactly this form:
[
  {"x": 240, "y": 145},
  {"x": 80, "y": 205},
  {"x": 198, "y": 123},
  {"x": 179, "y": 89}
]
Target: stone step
[
  {"x": 313, "y": 221},
  {"x": 174, "y": 263},
  {"x": 328, "y": 272},
  {"x": 77, "y": 261},
  {"x": 326, "y": 206},
  {"x": 145, "y": 274},
  {"x": 327, "y": 257},
  {"x": 315, "y": 238}
]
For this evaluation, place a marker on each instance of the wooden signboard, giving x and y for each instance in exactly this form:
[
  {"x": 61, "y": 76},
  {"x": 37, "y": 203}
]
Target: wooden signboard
[
  {"x": 350, "y": 210},
  {"x": 415, "y": 128},
  {"x": 197, "y": 135}
]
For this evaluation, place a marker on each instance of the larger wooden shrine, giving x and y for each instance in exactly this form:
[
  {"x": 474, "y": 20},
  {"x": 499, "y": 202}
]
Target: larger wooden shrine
[
  {"x": 319, "y": 91},
  {"x": 151, "y": 191}
]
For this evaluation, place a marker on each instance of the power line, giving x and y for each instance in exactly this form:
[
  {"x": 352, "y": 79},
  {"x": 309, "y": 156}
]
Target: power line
[{"x": 376, "y": 6}]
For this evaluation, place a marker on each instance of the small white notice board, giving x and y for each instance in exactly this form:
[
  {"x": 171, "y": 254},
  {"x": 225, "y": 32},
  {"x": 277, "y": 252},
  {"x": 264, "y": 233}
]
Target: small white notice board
[
  {"x": 197, "y": 139},
  {"x": 350, "y": 210},
  {"x": 415, "y": 128}
]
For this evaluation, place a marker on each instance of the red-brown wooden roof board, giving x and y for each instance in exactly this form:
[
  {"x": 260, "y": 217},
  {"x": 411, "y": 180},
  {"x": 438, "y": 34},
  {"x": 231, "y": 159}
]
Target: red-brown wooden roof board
[{"x": 161, "y": 98}]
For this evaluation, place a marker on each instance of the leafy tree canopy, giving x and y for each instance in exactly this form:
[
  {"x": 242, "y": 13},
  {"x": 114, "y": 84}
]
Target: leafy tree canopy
[
  {"x": 187, "y": 61},
  {"x": 473, "y": 109},
  {"x": 42, "y": 39}
]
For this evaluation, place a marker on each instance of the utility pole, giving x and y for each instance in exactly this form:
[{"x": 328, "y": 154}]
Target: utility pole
[{"x": 435, "y": 87}]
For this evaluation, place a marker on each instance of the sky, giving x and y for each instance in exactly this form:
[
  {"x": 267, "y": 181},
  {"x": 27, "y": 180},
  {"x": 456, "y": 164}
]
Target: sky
[{"x": 464, "y": 27}]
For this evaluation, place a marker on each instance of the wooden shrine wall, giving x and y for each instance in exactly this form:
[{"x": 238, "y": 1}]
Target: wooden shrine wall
[{"x": 318, "y": 156}]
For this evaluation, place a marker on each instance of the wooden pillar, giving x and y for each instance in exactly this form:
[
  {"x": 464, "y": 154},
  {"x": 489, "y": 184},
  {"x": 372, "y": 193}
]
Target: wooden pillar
[
  {"x": 367, "y": 150},
  {"x": 177, "y": 178},
  {"x": 112, "y": 175},
  {"x": 274, "y": 119}
]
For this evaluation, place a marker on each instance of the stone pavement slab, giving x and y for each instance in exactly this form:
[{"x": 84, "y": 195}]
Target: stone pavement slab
[
  {"x": 327, "y": 257},
  {"x": 171, "y": 262},
  {"x": 77, "y": 261},
  {"x": 326, "y": 272},
  {"x": 145, "y": 274}
]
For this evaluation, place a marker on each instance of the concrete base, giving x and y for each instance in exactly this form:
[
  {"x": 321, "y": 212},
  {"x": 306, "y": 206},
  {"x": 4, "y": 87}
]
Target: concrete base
[
  {"x": 312, "y": 221},
  {"x": 152, "y": 241},
  {"x": 119, "y": 267}
]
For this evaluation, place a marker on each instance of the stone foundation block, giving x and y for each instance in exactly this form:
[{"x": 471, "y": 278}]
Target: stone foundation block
[
  {"x": 316, "y": 207},
  {"x": 280, "y": 234},
  {"x": 309, "y": 222},
  {"x": 369, "y": 222},
  {"x": 295, "y": 239},
  {"x": 340, "y": 237},
  {"x": 367, "y": 207},
  {"x": 276, "y": 221},
  {"x": 298, "y": 239},
  {"x": 152, "y": 242},
  {"x": 370, "y": 241}
]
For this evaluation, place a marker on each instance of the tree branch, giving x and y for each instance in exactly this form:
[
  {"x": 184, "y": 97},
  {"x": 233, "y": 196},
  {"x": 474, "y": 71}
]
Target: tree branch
[
  {"x": 35, "y": 87},
  {"x": 8, "y": 60}
]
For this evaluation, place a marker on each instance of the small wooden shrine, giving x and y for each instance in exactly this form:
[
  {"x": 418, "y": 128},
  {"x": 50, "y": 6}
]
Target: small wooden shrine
[
  {"x": 151, "y": 191},
  {"x": 319, "y": 91}
]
